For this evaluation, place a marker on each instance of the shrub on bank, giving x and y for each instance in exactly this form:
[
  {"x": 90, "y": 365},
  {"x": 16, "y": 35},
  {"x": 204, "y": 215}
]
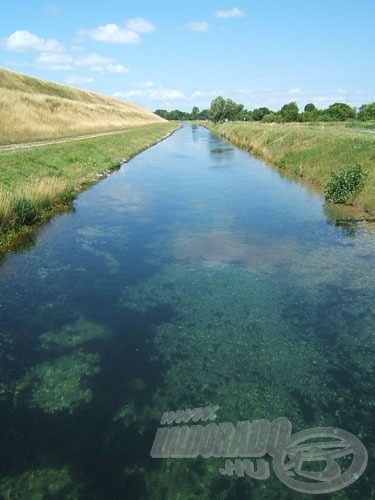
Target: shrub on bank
[
  {"x": 24, "y": 212},
  {"x": 344, "y": 183}
]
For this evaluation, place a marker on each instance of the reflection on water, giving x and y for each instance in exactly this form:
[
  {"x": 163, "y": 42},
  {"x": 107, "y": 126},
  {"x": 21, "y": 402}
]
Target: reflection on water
[{"x": 193, "y": 276}]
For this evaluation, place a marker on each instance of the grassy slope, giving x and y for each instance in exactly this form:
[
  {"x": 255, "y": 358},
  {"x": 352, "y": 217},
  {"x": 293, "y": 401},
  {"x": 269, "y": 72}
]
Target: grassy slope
[
  {"x": 33, "y": 110},
  {"x": 50, "y": 176},
  {"x": 309, "y": 151},
  {"x": 35, "y": 183}
]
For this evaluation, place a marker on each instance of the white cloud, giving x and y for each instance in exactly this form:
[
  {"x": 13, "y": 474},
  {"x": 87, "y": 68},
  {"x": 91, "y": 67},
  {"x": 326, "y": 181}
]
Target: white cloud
[
  {"x": 295, "y": 91},
  {"x": 198, "y": 26},
  {"x": 98, "y": 63},
  {"x": 24, "y": 41},
  {"x": 50, "y": 61},
  {"x": 76, "y": 80},
  {"x": 114, "y": 68},
  {"x": 115, "y": 33},
  {"x": 226, "y": 14},
  {"x": 111, "y": 33},
  {"x": 140, "y": 25},
  {"x": 93, "y": 60},
  {"x": 159, "y": 94},
  {"x": 165, "y": 95},
  {"x": 127, "y": 95}
]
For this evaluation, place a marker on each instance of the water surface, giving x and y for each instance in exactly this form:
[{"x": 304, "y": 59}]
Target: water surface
[{"x": 193, "y": 276}]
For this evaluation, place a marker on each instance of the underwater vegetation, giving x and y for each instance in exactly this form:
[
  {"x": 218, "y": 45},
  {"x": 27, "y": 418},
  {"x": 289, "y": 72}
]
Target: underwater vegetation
[
  {"x": 73, "y": 334},
  {"x": 40, "y": 484},
  {"x": 62, "y": 384},
  {"x": 219, "y": 348}
]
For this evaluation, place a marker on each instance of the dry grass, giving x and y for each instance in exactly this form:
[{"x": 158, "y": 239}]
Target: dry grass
[
  {"x": 45, "y": 192},
  {"x": 33, "y": 110}
]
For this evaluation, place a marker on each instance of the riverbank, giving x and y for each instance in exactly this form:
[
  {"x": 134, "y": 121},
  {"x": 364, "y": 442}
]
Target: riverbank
[
  {"x": 40, "y": 182},
  {"x": 310, "y": 153}
]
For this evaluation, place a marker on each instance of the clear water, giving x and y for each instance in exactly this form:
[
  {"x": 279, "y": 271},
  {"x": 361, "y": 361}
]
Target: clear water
[{"x": 193, "y": 276}]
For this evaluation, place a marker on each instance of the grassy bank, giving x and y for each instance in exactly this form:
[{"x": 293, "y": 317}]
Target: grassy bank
[
  {"x": 33, "y": 110},
  {"x": 310, "y": 152},
  {"x": 36, "y": 183}
]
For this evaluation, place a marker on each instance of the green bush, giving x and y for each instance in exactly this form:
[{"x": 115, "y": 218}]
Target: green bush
[
  {"x": 24, "y": 211},
  {"x": 344, "y": 183}
]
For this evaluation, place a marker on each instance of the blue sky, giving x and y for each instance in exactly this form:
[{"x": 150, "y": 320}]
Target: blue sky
[{"x": 176, "y": 55}]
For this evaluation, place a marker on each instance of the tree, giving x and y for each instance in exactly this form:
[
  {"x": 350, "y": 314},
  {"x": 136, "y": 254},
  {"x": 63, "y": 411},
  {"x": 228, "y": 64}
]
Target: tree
[
  {"x": 260, "y": 113},
  {"x": 231, "y": 109},
  {"x": 176, "y": 114},
  {"x": 163, "y": 113},
  {"x": 271, "y": 118},
  {"x": 244, "y": 115},
  {"x": 367, "y": 112},
  {"x": 309, "y": 107},
  {"x": 224, "y": 109},
  {"x": 204, "y": 114},
  {"x": 340, "y": 111},
  {"x": 217, "y": 109},
  {"x": 311, "y": 113},
  {"x": 289, "y": 112},
  {"x": 194, "y": 113}
]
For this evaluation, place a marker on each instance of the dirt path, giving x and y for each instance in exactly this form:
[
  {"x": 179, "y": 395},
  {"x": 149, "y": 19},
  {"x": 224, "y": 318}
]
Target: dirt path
[{"x": 37, "y": 144}]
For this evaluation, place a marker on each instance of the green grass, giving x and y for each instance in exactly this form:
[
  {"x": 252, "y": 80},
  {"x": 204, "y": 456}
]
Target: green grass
[
  {"x": 309, "y": 152},
  {"x": 49, "y": 177}
]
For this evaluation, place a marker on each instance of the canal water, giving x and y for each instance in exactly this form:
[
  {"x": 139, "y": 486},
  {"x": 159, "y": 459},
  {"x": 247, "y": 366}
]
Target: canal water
[{"x": 193, "y": 276}]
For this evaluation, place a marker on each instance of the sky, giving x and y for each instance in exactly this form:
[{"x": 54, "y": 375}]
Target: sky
[{"x": 163, "y": 54}]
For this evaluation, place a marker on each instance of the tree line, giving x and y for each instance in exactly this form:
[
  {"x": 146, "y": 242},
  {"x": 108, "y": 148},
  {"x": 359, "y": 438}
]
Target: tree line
[{"x": 227, "y": 110}]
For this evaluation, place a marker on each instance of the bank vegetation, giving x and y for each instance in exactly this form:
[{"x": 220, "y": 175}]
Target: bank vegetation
[{"x": 333, "y": 158}]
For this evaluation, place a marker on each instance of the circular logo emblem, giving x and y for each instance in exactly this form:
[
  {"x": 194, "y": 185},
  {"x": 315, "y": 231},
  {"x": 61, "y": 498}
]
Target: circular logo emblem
[{"x": 292, "y": 462}]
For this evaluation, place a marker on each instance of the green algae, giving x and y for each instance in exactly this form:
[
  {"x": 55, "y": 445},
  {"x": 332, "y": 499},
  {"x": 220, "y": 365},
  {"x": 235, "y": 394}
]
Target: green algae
[
  {"x": 40, "y": 484},
  {"x": 63, "y": 384},
  {"x": 74, "y": 334},
  {"x": 261, "y": 345},
  {"x": 220, "y": 346}
]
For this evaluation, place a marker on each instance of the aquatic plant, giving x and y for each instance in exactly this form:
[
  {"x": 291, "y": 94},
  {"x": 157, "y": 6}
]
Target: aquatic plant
[
  {"x": 40, "y": 484},
  {"x": 62, "y": 384},
  {"x": 74, "y": 334}
]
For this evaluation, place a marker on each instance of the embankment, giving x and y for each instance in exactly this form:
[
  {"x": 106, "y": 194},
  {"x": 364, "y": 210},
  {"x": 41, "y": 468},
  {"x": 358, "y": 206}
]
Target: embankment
[{"x": 310, "y": 153}]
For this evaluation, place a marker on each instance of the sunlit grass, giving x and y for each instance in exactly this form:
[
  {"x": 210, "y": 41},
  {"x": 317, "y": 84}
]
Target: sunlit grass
[
  {"x": 311, "y": 152},
  {"x": 49, "y": 177},
  {"x": 33, "y": 110}
]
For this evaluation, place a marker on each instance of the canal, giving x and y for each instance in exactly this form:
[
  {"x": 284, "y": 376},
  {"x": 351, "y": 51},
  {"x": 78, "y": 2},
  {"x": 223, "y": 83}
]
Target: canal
[{"x": 195, "y": 276}]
